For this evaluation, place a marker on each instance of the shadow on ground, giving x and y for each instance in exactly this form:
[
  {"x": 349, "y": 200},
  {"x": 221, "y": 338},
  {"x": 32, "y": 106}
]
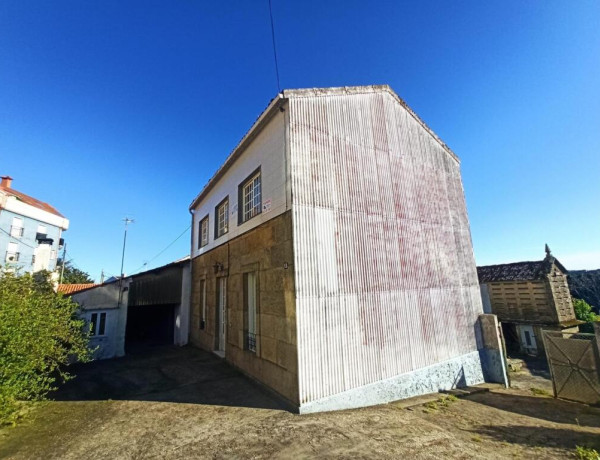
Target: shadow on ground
[
  {"x": 535, "y": 436},
  {"x": 546, "y": 408},
  {"x": 166, "y": 374},
  {"x": 535, "y": 365}
]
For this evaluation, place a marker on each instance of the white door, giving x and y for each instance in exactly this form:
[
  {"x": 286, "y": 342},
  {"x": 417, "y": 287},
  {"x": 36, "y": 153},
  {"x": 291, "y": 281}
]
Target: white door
[
  {"x": 528, "y": 339},
  {"x": 221, "y": 310}
]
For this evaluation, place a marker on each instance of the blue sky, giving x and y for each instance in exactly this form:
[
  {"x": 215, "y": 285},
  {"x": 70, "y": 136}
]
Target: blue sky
[{"x": 114, "y": 108}]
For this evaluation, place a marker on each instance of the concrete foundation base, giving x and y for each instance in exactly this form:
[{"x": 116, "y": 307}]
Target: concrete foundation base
[{"x": 455, "y": 373}]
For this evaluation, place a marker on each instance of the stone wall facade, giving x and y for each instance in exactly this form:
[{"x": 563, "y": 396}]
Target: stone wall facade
[
  {"x": 268, "y": 251},
  {"x": 544, "y": 301},
  {"x": 558, "y": 286}
]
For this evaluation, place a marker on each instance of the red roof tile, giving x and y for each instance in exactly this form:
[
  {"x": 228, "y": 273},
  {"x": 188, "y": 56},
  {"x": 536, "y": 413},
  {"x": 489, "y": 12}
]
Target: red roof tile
[
  {"x": 69, "y": 289},
  {"x": 30, "y": 200}
]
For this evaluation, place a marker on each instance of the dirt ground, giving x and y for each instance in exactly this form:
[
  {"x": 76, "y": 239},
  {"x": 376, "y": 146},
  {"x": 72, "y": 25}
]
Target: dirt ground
[{"x": 185, "y": 403}]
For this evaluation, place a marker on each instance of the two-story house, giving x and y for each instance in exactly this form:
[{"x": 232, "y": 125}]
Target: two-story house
[
  {"x": 30, "y": 230},
  {"x": 332, "y": 257}
]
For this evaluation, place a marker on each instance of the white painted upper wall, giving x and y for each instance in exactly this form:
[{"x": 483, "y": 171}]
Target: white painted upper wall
[
  {"x": 101, "y": 297},
  {"x": 267, "y": 151},
  {"x": 11, "y": 203}
]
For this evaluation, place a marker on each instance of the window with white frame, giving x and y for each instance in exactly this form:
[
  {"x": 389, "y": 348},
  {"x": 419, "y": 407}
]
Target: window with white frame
[
  {"x": 222, "y": 218},
  {"x": 203, "y": 232},
  {"x": 12, "y": 252},
  {"x": 250, "y": 197},
  {"x": 16, "y": 230},
  {"x": 42, "y": 229},
  {"x": 97, "y": 324}
]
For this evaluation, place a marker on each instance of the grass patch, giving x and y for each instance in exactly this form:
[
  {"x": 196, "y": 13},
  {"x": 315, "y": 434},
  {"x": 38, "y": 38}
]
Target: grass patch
[
  {"x": 440, "y": 403},
  {"x": 476, "y": 438},
  {"x": 432, "y": 405},
  {"x": 446, "y": 400},
  {"x": 586, "y": 453},
  {"x": 539, "y": 391}
]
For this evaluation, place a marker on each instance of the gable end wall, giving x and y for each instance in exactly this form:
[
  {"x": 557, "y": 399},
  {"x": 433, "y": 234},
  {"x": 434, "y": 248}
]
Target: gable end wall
[{"x": 386, "y": 282}]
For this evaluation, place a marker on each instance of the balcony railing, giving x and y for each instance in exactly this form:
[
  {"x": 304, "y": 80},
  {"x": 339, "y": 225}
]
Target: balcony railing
[{"x": 42, "y": 238}]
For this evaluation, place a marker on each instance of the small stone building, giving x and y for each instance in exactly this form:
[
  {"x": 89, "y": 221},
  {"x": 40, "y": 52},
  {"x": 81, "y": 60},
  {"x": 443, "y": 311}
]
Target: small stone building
[
  {"x": 528, "y": 297},
  {"x": 332, "y": 257}
]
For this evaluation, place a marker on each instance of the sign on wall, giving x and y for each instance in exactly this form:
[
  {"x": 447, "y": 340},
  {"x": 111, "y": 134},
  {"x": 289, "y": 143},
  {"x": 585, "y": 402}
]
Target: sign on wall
[{"x": 266, "y": 205}]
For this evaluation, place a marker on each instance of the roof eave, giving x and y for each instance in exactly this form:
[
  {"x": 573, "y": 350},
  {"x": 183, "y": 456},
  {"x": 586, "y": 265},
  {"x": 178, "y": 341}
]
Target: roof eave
[
  {"x": 280, "y": 99},
  {"x": 256, "y": 128}
]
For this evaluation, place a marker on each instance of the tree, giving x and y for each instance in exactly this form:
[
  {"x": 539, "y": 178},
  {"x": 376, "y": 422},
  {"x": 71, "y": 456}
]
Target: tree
[
  {"x": 73, "y": 275},
  {"x": 40, "y": 334},
  {"x": 583, "y": 312}
]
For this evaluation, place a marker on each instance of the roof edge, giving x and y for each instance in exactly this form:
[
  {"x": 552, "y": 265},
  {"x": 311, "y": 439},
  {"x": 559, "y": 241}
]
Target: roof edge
[
  {"x": 555, "y": 261},
  {"x": 254, "y": 130},
  {"x": 366, "y": 89},
  {"x": 286, "y": 94}
]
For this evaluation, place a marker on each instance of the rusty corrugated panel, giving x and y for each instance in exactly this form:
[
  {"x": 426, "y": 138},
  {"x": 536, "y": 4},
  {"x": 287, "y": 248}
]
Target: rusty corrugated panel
[{"x": 385, "y": 273}]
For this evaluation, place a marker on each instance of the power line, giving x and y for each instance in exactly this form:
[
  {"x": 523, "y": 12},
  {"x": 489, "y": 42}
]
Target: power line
[
  {"x": 167, "y": 247},
  {"x": 17, "y": 239},
  {"x": 69, "y": 259},
  {"x": 274, "y": 47}
]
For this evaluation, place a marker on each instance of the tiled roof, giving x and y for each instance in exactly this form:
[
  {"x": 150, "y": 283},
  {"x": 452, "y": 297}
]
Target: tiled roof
[
  {"x": 30, "y": 200},
  {"x": 518, "y": 271},
  {"x": 69, "y": 289}
]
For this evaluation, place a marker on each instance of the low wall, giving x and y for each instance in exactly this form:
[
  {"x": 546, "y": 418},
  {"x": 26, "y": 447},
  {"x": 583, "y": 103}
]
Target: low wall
[{"x": 458, "y": 372}]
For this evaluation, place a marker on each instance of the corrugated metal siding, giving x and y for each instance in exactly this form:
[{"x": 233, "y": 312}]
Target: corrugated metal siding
[
  {"x": 163, "y": 287},
  {"x": 385, "y": 274}
]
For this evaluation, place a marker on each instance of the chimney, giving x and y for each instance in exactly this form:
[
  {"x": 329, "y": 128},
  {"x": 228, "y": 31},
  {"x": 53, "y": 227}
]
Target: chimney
[{"x": 6, "y": 181}]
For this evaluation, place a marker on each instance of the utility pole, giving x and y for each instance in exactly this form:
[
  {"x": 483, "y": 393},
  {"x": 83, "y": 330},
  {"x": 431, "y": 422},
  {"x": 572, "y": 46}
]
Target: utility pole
[
  {"x": 127, "y": 221},
  {"x": 62, "y": 270}
]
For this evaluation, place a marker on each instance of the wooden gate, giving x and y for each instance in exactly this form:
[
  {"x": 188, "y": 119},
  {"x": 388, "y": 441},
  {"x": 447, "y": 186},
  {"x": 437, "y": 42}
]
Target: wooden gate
[{"x": 574, "y": 365}]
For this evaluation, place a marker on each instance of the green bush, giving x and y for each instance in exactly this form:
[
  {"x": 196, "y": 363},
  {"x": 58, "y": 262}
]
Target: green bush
[
  {"x": 583, "y": 312},
  {"x": 40, "y": 334},
  {"x": 586, "y": 453}
]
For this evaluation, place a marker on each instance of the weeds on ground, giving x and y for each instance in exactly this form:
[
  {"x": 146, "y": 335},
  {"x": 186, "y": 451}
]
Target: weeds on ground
[
  {"x": 446, "y": 400},
  {"x": 432, "y": 405},
  {"x": 476, "y": 438},
  {"x": 440, "y": 403},
  {"x": 586, "y": 453},
  {"x": 539, "y": 391}
]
